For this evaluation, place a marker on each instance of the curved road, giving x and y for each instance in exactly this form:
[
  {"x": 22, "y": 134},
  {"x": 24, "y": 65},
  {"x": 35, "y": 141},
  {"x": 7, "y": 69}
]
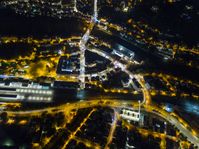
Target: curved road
[{"x": 190, "y": 134}]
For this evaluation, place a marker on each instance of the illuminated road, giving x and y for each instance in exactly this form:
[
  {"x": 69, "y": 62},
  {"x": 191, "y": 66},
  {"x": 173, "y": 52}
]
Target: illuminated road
[
  {"x": 82, "y": 46},
  {"x": 72, "y": 135},
  {"x": 190, "y": 134},
  {"x": 139, "y": 78},
  {"x": 112, "y": 130},
  {"x": 95, "y": 11},
  {"x": 146, "y": 101},
  {"x": 75, "y": 6}
]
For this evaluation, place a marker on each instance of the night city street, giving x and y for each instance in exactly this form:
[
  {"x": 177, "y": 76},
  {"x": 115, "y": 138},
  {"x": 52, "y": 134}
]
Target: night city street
[{"x": 99, "y": 74}]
